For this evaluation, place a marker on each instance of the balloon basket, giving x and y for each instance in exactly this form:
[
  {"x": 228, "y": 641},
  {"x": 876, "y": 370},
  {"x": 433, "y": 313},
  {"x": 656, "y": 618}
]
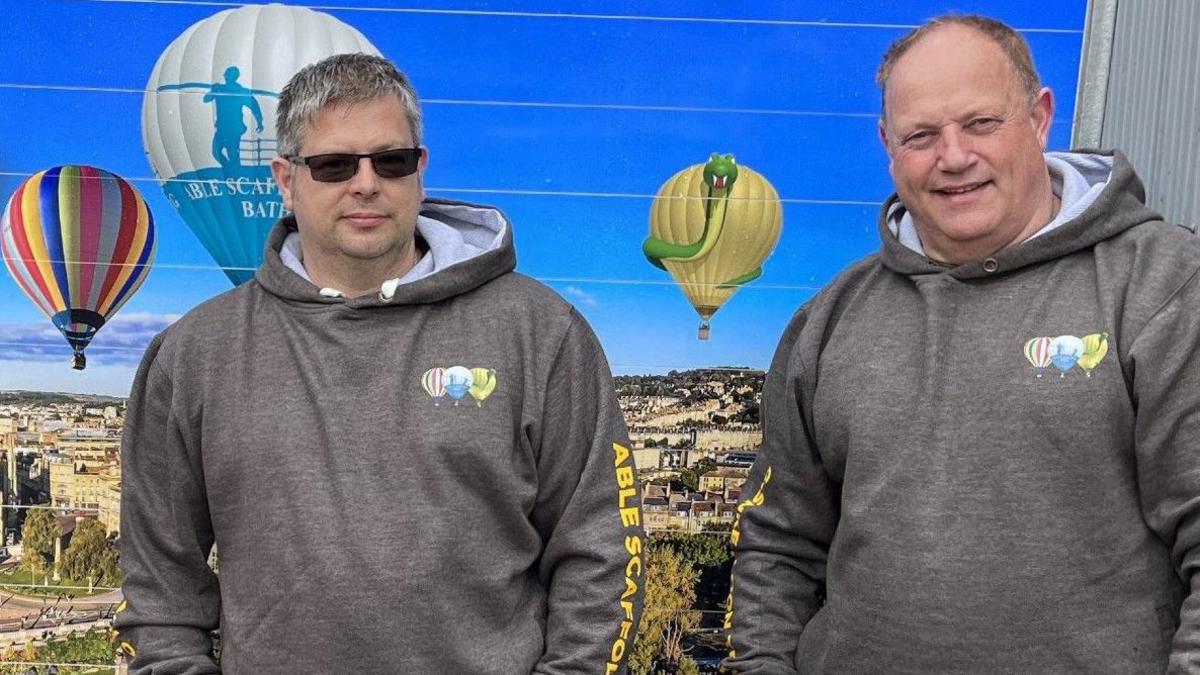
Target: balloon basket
[
  {"x": 703, "y": 332},
  {"x": 78, "y": 361}
]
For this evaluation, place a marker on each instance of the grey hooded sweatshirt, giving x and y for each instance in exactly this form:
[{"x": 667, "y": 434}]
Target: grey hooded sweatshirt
[
  {"x": 433, "y": 479},
  {"x": 992, "y": 467}
]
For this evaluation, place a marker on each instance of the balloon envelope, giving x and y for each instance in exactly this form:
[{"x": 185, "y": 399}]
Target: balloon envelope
[
  {"x": 208, "y": 120},
  {"x": 1037, "y": 351},
  {"x": 79, "y": 241},
  {"x": 483, "y": 382},
  {"x": 458, "y": 381},
  {"x": 433, "y": 382},
  {"x": 1065, "y": 350},
  {"x": 752, "y": 222}
]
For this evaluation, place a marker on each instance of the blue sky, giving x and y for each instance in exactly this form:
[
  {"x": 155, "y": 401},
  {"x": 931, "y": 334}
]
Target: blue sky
[{"x": 568, "y": 115}]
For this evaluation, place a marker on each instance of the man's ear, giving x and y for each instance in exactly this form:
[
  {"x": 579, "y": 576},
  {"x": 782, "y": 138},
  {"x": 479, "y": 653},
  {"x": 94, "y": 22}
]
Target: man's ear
[
  {"x": 282, "y": 170},
  {"x": 422, "y": 164},
  {"x": 1042, "y": 115}
]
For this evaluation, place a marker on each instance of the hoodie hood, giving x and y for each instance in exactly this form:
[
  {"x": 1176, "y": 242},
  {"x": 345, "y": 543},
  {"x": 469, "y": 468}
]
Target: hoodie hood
[
  {"x": 1092, "y": 187},
  {"x": 468, "y": 245}
]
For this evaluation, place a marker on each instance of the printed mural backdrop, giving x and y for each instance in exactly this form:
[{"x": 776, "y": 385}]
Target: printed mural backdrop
[
  {"x": 134, "y": 142},
  {"x": 587, "y": 122}
]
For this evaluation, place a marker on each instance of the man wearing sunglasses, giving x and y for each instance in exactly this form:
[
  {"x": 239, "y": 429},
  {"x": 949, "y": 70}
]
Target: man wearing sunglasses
[{"x": 409, "y": 456}]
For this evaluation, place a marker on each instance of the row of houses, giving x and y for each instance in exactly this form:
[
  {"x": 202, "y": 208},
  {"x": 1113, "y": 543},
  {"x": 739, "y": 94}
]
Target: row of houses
[{"x": 713, "y": 506}]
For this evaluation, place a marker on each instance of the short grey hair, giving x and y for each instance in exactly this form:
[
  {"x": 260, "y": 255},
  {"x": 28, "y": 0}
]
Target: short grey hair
[
  {"x": 342, "y": 78},
  {"x": 1009, "y": 40}
]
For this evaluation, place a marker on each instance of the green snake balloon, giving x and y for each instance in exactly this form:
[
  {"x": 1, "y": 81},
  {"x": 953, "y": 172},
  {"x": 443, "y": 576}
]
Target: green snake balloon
[{"x": 720, "y": 173}]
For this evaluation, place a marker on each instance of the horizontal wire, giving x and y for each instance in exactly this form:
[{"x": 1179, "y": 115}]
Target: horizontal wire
[
  {"x": 520, "y": 104},
  {"x": 543, "y": 279},
  {"x": 567, "y": 15},
  {"x": 689, "y": 284},
  {"x": 655, "y": 108},
  {"x": 533, "y": 193},
  {"x": 57, "y": 345},
  {"x": 799, "y": 23},
  {"x": 498, "y": 103},
  {"x": 637, "y": 195}
]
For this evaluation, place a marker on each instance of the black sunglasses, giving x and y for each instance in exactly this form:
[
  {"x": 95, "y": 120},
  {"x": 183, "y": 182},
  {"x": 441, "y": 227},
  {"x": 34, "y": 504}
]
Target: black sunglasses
[{"x": 336, "y": 167}]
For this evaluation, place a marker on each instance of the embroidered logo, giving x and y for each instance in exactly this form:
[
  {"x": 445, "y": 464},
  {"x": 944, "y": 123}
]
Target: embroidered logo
[
  {"x": 1066, "y": 352},
  {"x": 457, "y": 382}
]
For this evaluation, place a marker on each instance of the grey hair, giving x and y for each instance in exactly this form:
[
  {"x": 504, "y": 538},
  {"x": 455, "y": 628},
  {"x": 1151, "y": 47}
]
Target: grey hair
[
  {"x": 342, "y": 78},
  {"x": 1009, "y": 40}
]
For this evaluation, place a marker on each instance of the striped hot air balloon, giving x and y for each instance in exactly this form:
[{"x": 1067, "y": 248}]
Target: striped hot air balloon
[
  {"x": 79, "y": 241},
  {"x": 1037, "y": 352},
  {"x": 434, "y": 384}
]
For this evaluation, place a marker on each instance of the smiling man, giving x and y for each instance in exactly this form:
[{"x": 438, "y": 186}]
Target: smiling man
[
  {"x": 409, "y": 456},
  {"x": 982, "y": 444}
]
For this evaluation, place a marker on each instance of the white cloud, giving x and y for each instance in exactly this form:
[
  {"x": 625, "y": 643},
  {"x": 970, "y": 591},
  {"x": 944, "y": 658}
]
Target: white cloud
[
  {"x": 120, "y": 342},
  {"x": 579, "y": 295}
]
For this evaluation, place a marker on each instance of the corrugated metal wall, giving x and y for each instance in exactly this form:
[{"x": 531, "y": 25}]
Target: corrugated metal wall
[{"x": 1151, "y": 95}]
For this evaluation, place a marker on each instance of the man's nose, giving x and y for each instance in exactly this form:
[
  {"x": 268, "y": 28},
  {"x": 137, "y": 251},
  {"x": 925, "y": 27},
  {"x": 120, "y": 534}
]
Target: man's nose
[
  {"x": 365, "y": 181},
  {"x": 954, "y": 151}
]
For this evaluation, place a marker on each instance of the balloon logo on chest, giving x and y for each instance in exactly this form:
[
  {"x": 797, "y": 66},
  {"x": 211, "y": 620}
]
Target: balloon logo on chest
[
  {"x": 458, "y": 382},
  {"x": 1066, "y": 352}
]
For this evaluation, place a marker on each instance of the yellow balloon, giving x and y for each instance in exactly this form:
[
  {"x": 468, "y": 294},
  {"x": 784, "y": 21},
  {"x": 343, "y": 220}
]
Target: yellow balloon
[
  {"x": 1095, "y": 348},
  {"x": 483, "y": 384},
  {"x": 711, "y": 246}
]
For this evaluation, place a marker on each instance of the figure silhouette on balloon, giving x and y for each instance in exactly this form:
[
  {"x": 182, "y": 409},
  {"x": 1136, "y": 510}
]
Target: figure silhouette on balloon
[{"x": 229, "y": 98}]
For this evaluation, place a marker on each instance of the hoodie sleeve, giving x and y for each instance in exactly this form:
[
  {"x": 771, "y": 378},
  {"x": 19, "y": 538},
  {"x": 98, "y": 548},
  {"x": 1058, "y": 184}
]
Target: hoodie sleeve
[
  {"x": 587, "y": 512},
  {"x": 1166, "y": 388},
  {"x": 171, "y": 595},
  {"x": 784, "y": 525}
]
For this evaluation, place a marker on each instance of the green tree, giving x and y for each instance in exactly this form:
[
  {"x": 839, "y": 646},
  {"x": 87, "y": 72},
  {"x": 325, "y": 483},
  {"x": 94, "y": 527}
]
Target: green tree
[
  {"x": 85, "y": 557},
  {"x": 110, "y": 569},
  {"x": 38, "y": 535},
  {"x": 690, "y": 476},
  {"x": 670, "y": 594},
  {"x": 91, "y": 647},
  {"x": 703, "y": 550}
]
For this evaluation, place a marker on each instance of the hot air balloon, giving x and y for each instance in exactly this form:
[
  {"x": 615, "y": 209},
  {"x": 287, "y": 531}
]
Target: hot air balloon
[
  {"x": 1065, "y": 350},
  {"x": 433, "y": 382},
  {"x": 79, "y": 241},
  {"x": 1095, "y": 348},
  {"x": 711, "y": 227},
  {"x": 208, "y": 120},
  {"x": 458, "y": 382},
  {"x": 1037, "y": 351},
  {"x": 483, "y": 382}
]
